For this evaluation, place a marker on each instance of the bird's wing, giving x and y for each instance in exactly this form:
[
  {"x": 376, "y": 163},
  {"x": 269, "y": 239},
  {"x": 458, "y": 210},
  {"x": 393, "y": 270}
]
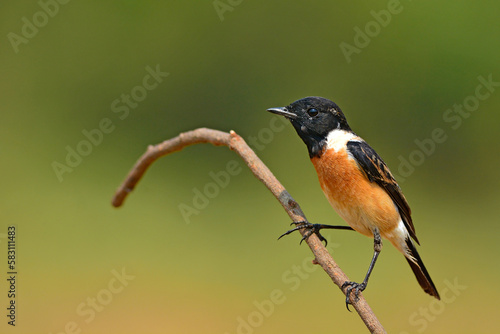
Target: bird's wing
[{"x": 375, "y": 169}]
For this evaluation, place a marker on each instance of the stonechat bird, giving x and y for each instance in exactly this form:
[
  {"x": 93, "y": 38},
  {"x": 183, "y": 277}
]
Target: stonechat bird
[{"x": 358, "y": 185}]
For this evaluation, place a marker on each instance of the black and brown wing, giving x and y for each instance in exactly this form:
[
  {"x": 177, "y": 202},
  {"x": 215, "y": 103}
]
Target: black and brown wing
[{"x": 375, "y": 169}]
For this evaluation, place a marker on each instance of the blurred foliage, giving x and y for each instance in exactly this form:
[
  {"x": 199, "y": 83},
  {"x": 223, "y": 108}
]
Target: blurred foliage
[{"x": 208, "y": 275}]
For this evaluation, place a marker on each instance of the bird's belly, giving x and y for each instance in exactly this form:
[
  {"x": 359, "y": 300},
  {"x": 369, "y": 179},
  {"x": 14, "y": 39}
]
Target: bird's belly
[{"x": 362, "y": 204}]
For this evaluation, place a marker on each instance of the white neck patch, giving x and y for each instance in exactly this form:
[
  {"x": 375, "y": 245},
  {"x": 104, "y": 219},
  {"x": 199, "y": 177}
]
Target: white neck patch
[{"x": 337, "y": 139}]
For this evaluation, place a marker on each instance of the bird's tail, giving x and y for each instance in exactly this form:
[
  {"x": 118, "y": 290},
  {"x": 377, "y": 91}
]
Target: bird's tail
[{"x": 416, "y": 264}]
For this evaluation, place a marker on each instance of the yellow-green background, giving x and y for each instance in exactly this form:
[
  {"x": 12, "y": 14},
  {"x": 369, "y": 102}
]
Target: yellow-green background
[{"x": 200, "y": 277}]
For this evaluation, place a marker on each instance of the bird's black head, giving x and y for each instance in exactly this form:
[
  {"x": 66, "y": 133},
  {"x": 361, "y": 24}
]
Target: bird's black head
[{"x": 313, "y": 118}]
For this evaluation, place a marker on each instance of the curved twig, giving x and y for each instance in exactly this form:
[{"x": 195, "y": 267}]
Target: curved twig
[{"x": 260, "y": 170}]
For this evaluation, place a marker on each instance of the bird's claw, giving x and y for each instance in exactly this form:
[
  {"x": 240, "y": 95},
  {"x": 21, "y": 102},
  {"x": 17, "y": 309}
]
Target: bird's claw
[
  {"x": 311, "y": 228},
  {"x": 357, "y": 287}
]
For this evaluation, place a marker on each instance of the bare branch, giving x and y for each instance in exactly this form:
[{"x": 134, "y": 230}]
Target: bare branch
[{"x": 260, "y": 170}]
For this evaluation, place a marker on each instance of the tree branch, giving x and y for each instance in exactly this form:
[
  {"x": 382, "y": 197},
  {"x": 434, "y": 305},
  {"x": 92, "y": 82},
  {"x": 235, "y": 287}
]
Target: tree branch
[{"x": 260, "y": 170}]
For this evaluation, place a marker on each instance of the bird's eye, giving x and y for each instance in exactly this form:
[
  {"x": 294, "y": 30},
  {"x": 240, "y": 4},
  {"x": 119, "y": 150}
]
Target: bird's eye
[{"x": 312, "y": 112}]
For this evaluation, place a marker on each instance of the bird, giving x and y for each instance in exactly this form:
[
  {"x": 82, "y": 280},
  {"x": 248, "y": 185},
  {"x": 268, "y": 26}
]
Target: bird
[{"x": 358, "y": 185}]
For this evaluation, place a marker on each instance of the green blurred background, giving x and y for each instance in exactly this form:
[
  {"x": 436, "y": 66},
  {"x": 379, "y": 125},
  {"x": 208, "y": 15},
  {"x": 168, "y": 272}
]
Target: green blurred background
[{"x": 218, "y": 273}]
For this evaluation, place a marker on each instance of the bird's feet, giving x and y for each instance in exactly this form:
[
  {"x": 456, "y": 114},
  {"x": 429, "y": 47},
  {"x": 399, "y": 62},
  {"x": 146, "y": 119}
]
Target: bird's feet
[
  {"x": 357, "y": 287},
  {"x": 310, "y": 229}
]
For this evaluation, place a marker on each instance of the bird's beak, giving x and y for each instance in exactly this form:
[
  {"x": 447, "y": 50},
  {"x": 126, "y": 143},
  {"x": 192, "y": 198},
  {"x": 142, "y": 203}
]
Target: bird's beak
[{"x": 283, "y": 111}]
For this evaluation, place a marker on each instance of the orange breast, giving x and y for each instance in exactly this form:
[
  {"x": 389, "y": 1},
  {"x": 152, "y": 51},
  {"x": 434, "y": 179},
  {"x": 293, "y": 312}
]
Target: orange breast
[{"x": 362, "y": 204}]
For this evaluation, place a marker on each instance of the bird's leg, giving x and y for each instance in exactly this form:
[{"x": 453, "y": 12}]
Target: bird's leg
[
  {"x": 377, "y": 247},
  {"x": 313, "y": 228}
]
